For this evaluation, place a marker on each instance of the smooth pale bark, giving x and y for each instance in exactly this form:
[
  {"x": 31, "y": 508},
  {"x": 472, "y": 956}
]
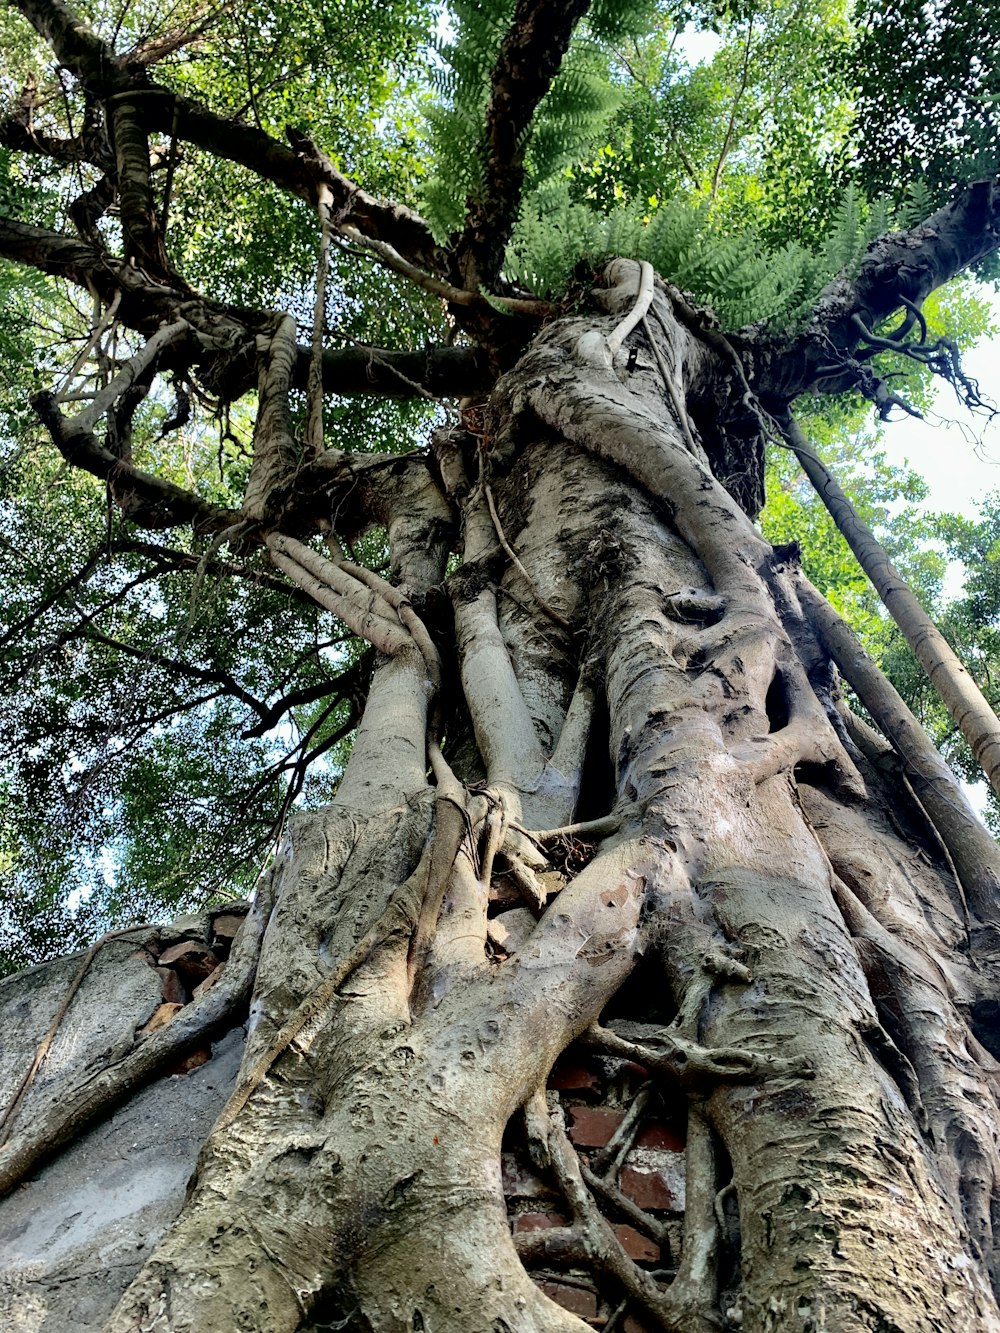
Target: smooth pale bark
[
  {"x": 975, "y": 853},
  {"x": 959, "y": 692}
]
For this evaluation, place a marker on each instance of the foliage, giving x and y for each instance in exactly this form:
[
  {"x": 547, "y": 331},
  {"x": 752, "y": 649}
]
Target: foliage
[
  {"x": 137, "y": 776},
  {"x": 733, "y": 271},
  {"x": 576, "y": 107},
  {"x": 929, "y": 80}
]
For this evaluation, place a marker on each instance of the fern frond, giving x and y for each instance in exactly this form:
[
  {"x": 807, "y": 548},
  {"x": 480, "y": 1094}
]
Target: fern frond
[{"x": 917, "y": 205}]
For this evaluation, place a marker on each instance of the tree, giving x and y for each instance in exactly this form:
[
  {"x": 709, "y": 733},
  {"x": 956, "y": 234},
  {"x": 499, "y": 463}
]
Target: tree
[{"x": 604, "y": 784}]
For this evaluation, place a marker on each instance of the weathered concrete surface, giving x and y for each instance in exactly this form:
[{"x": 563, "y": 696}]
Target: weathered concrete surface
[{"x": 71, "y": 1238}]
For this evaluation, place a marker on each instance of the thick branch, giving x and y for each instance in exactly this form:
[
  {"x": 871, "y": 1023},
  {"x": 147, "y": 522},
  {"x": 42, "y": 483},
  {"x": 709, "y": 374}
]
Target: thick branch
[
  {"x": 529, "y": 60},
  {"x": 162, "y": 111},
  {"x": 900, "y": 267},
  {"x": 440, "y": 372},
  {"x": 72, "y": 40},
  {"x": 151, "y": 501},
  {"x": 20, "y": 136},
  {"x": 54, "y": 253}
]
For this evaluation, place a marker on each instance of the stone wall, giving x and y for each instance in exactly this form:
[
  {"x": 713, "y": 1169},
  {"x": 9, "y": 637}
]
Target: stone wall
[{"x": 72, "y": 1237}]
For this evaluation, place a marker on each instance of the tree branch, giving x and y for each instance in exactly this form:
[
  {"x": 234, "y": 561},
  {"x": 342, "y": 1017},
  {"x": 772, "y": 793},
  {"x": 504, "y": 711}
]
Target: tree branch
[
  {"x": 149, "y": 500},
  {"x": 159, "y": 110},
  {"x": 178, "y": 667},
  {"x": 350, "y": 684},
  {"x": 899, "y": 269},
  {"x": 442, "y": 372},
  {"x": 529, "y": 60}
]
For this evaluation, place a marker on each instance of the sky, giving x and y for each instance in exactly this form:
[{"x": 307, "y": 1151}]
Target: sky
[{"x": 958, "y": 454}]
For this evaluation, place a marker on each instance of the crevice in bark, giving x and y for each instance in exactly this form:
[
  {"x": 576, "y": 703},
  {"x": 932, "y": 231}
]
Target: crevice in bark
[
  {"x": 598, "y": 795},
  {"x": 776, "y": 704},
  {"x": 985, "y": 1016}
]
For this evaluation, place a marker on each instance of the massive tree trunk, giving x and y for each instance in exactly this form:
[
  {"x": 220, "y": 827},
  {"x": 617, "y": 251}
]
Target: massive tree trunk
[{"x": 652, "y": 825}]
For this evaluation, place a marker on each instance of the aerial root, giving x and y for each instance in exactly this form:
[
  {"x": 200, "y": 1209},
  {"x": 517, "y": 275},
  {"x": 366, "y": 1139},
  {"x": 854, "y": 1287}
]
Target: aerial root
[
  {"x": 552, "y": 1148},
  {"x": 674, "y": 1053},
  {"x": 399, "y": 918},
  {"x": 687, "y": 1063},
  {"x": 555, "y": 616},
  {"x": 694, "y": 1291},
  {"x": 9, "y": 1117}
]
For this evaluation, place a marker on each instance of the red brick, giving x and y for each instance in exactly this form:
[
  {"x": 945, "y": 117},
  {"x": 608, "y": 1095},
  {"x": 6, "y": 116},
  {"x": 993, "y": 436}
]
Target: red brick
[
  {"x": 570, "y": 1077},
  {"x": 161, "y": 1017},
  {"x": 646, "y": 1188},
  {"x": 576, "y": 1299},
  {"x": 539, "y": 1221},
  {"x": 633, "y": 1325},
  {"x": 591, "y": 1127},
  {"x": 224, "y": 927},
  {"x": 172, "y": 987},
  {"x": 636, "y": 1245},
  {"x": 657, "y": 1134},
  {"x": 191, "y": 960},
  {"x": 199, "y": 1056},
  {"x": 213, "y": 976}
]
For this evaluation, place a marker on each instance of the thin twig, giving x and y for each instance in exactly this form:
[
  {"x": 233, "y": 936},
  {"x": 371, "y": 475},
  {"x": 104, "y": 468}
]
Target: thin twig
[{"x": 391, "y": 258}]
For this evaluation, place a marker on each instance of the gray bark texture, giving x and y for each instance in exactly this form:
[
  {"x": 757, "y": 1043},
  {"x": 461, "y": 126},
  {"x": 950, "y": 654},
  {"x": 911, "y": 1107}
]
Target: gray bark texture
[{"x": 618, "y": 819}]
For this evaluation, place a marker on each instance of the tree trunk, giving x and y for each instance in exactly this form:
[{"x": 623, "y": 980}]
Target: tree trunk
[{"x": 805, "y": 960}]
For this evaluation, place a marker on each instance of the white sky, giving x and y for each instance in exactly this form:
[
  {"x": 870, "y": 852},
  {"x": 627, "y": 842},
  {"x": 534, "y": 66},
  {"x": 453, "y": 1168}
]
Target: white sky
[{"x": 957, "y": 453}]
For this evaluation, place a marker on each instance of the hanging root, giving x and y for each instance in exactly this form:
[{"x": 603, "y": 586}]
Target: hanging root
[
  {"x": 555, "y": 616},
  {"x": 973, "y": 852},
  {"x": 7, "y": 1120},
  {"x": 314, "y": 383},
  {"x": 686, "y": 1063}
]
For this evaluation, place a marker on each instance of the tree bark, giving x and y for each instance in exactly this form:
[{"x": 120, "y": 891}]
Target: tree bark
[{"x": 647, "y": 663}]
